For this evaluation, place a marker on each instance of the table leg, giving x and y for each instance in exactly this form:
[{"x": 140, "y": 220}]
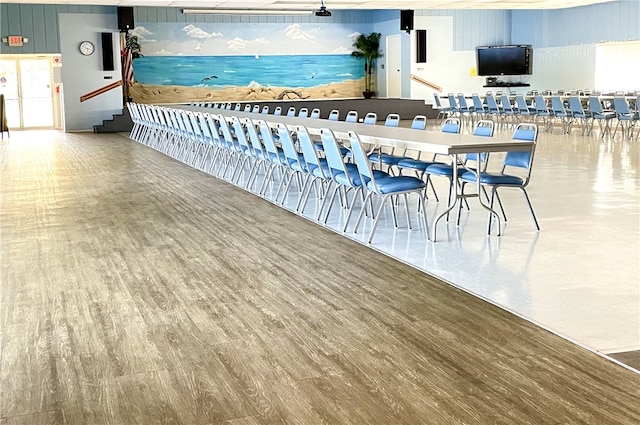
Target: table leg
[{"x": 452, "y": 200}]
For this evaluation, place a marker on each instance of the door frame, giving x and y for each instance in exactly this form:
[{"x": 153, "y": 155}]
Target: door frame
[{"x": 55, "y": 84}]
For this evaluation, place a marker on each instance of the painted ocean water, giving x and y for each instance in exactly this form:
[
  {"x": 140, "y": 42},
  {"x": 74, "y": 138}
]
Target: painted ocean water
[{"x": 222, "y": 71}]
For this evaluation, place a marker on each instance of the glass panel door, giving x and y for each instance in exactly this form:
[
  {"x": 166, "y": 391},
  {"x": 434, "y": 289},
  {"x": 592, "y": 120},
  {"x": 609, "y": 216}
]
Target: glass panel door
[
  {"x": 9, "y": 87},
  {"x": 37, "y": 102},
  {"x": 26, "y": 83}
]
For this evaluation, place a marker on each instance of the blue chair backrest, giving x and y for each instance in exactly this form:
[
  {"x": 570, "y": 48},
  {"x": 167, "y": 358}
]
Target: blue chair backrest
[
  {"x": 462, "y": 102},
  {"x": 247, "y": 108},
  {"x": 287, "y": 143},
  {"x": 492, "y": 104},
  {"x": 452, "y": 102},
  {"x": 334, "y": 115},
  {"x": 419, "y": 122},
  {"x": 557, "y": 105},
  {"x": 484, "y": 128},
  {"x": 256, "y": 109},
  {"x": 575, "y": 105},
  {"x": 315, "y": 113},
  {"x": 239, "y": 132},
  {"x": 253, "y": 136},
  {"x": 237, "y": 107},
  {"x": 265, "y": 109},
  {"x": 370, "y": 118},
  {"x": 393, "y": 120},
  {"x": 477, "y": 102},
  {"x": 540, "y": 104},
  {"x": 621, "y": 106},
  {"x": 278, "y": 110},
  {"x": 224, "y": 128},
  {"x": 309, "y": 151},
  {"x": 332, "y": 152},
  {"x": 360, "y": 157},
  {"x": 267, "y": 137},
  {"x": 352, "y": 116},
  {"x": 437, "y": 100},
  {"x": 522, "y": 159},
  {"x": 291, "y": 112},
  {"x": 451, "y": 125},
  {"x": 521, "y": 104},
  {"x": 505, "y": 102},
  {"x": 595, "y": 106},
  {"x": 303, "y": 113}
]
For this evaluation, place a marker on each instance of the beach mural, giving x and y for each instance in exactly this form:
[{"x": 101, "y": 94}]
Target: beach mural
[{"x": 238, "y": 62}]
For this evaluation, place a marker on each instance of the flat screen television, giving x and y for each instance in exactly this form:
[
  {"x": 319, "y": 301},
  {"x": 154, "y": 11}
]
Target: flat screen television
[{"x": 504, "y": 60}]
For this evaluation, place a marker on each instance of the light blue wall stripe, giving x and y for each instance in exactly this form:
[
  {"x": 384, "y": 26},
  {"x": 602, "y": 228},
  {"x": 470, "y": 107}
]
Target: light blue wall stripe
[
  {"x": 39, "y": 23},
  {"x": 614, "y": 21}
]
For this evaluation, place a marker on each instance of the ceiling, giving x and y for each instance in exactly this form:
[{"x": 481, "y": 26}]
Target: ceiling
[{"x": 334, "y": 4}]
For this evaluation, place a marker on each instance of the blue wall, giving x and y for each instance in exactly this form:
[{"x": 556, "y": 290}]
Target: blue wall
[
  {"x": 614, "y": 21},
  {"x": 39, "y": 23}
]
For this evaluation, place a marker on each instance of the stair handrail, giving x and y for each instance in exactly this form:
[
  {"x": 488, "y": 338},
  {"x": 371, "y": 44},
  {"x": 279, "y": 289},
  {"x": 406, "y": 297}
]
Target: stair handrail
[
  {"x": 101, "y": 90},
  {"x": 425, "y": 82}
]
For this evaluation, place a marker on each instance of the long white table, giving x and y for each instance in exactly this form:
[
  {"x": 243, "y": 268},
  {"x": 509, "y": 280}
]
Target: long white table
[{"x": 398, "y": 137}]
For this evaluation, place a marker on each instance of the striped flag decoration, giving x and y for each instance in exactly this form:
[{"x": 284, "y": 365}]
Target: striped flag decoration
[{"x": 127, "y": 60}]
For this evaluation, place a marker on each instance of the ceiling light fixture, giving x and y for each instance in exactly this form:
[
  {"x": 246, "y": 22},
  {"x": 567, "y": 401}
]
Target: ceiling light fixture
[
  {"x": 323, "y": 12},
  {"x": 244, "y": 12}
]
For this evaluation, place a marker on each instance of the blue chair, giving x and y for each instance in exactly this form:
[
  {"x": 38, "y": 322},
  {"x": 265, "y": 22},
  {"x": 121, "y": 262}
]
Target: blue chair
[
  {"x": 294, "y": 166},
  {"x": 371, "y": 118},
  {"x": 626, "y": 117},
  {"x": 315, "y": 113},
  {"x": 334, "y": 115},
  {"x": 438, "y": 168},
  {"x": 247, "y": 108},
  {"x": 318, "y": 174},
  {"x": 519, "y": 160},
  {"x": 523, "y": 109},
  {"x": 492, "y": 107},
  {"x": 443, "y": 111},
  {"x": 508, "y": 112},
  {"x": 543, "y": 112},
  {"x": 265, "y": 109},
  {"x": 352, "y": 116},
  {"x": 388, "y": 159},
  {"x": 599, "y": 114},
  {"x": 291, "y": 112},
  {"x": 385, "y": 187},
  {"x": 278, "y": 110},
  {"x": 464, "y": 110},
  {"x": 560, "y": 112},
  {"x": 275, "y": 156},
  {"x": 303, "y": 113},
  {"x": 258, "y": 152},
  {"x": 479, "y": 108},
  {"x": 579, "y": 113},
  {"x": 256, "y": 109},
  {"x": 419, "y": 122},
  {"x": 238, "y": 107},
  {"x": 344, "y": 176}
]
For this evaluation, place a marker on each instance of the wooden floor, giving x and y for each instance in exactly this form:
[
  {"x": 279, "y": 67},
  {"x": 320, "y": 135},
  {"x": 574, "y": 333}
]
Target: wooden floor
[{"x": 136, "y": 290}]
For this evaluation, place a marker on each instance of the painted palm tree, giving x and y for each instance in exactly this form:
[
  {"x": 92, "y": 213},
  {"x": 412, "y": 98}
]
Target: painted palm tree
[{"x": 368, "y": 47}]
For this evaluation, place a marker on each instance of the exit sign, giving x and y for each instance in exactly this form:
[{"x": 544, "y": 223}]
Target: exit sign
[{"x": 15, "y": 40}]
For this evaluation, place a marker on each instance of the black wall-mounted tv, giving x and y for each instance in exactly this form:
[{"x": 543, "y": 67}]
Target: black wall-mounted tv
[{"x": 504, "y": 60}]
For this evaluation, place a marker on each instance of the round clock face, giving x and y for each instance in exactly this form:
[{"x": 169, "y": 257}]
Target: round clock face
[{"x": 87, "y": 48}]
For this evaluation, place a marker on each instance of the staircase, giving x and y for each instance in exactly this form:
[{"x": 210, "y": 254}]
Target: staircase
[{"x": 119, "y": 123}]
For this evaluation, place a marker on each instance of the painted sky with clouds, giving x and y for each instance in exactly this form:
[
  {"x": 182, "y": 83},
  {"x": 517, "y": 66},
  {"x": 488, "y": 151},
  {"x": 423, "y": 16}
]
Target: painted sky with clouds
[{"x": 221, "y": 39}]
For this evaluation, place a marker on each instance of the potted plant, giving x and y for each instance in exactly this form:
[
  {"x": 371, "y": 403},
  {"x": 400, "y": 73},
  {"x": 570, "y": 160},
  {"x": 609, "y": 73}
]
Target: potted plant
[{"x": 368, "y": 48}]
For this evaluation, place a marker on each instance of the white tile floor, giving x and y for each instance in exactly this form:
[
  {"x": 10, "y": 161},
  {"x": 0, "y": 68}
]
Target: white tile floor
[{"x": 579, "y": 276}]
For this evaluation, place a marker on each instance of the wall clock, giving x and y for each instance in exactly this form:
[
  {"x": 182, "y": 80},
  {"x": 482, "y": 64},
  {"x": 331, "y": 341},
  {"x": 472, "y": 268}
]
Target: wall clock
[{"x": 87, "y": 48}]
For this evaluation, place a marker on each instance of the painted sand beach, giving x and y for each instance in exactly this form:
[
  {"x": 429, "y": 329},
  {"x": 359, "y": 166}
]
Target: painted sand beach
[{"x": 148, "y": 93}]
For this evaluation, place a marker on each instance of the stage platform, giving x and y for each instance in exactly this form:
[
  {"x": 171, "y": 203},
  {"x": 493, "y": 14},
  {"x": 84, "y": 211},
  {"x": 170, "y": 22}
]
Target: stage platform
[{"x": 406, "y": 108}]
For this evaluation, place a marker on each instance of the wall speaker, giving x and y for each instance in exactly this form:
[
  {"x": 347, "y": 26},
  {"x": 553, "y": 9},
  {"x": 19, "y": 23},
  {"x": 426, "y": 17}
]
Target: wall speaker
[
  {"x": 107, "y": 52},
  {"x": 406, "y": 20},
  {"x": 421, "y": 46},
  {"x": 125, "y": 18}
]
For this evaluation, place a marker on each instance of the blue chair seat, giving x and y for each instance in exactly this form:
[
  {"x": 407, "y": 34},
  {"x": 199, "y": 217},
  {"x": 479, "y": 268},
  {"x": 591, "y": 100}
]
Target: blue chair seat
[
  {"x": 443, "y": 170},
  {"x": 494, "y": 179},
  {"x": 396, "y": 184},
  {"x": 352, "y": 177},
  {"x": 385, "y": 158},
  {"x": 343, "y": 150},
  {"x": 415, "y": 164}
]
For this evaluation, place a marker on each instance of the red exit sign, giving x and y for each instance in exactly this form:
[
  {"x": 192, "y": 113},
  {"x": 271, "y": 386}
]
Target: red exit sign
[{"x": 15, "y": 40}]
